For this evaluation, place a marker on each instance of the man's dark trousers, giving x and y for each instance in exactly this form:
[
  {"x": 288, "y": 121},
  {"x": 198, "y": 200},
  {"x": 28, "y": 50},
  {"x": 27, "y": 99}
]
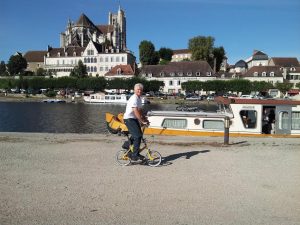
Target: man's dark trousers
[{"x": 134, "y": 128}]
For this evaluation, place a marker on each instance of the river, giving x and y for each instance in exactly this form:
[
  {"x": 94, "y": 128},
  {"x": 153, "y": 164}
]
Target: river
[{"x": 61, "y": 117}]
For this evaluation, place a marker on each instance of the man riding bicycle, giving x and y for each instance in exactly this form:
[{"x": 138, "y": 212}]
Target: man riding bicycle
[{"x": 133, "y": 116}]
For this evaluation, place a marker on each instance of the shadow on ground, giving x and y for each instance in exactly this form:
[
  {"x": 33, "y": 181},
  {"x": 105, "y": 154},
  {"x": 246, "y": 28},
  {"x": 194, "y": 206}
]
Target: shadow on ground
[{"x": 187, "y": 155}]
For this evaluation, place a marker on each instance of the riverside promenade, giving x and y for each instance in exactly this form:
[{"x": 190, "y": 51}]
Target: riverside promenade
[{"x": 73, "y": 179}]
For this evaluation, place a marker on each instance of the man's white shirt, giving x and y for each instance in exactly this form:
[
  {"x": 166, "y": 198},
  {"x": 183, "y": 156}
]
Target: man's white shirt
[{"x": 133, "y": 102}]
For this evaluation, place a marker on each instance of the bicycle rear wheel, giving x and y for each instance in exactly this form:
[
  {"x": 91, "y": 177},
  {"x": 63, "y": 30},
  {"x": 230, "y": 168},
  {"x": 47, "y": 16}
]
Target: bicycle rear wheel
[
  {"x": 153, "y": 158},
  {"x": 122, "y": 158}
]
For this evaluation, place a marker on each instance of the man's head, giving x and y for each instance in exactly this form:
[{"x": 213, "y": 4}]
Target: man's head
[{"x": 138, "y": 89}]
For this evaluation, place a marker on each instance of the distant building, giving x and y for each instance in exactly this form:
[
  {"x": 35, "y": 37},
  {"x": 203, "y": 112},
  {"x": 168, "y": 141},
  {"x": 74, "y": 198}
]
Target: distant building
[
  {"x": 258, "y": 58},
  {"x": 293, "y": 75},
  {"x": 271, "y": 74},
  {"x": 121, "y": 71},
  {"x": 99, "y": 47},
  {"x": 240, "y": 67},
  {"x": 98, "y": 60},
  {"x": 286, "y": 62},
  {"x": 181, "y": 54},
  {"x": 176, "y": 73},
  {"x": 79, "y": 34},
  {"x": 35, "y": 60}
]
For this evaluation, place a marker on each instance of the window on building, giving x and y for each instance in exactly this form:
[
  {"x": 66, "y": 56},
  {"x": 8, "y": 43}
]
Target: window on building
[
  {"x": 189, "y": 73},
  {"x": 123, "y": 59},
  {"x": 57, "y": 62},
  {"x": 263, "y": 74},
  {"x": 172, "y": 74},
  {"x": 198, "y": 74},
  {"x": 178, "y": 83},
  {"x": 92, "y": 69},
  {"x": 180, "y": 74},
  {"x": 293, "y": 69},
  {"x": 162, "y": 74},
  {"x": 95, "y": 60},
  {"x": 208, "y": 74},
  {"x": 272, "y": 74},
  {"x": 106, "y": 68},
  {"x": 88, "y": 69},
  {"x": 284, "y": 120},
  {"x": 95, "y": 69},
  {"x": 149, "y": 75},
  {"x": 101, "y": 68},
  {"x": 106, "y": 59},
  {"x": 117, "y": 59},
  {"x": 174, "y": 123},
  {"x": 100, "y": 59},
  {"x": 255, "y": 74},
  {"x": 249, "y": 118},
  {"x": 170, "y": 83},
  {"x": 111, "y": 59}
]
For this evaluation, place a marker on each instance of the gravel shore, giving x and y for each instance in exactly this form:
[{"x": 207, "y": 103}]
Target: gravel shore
[{"x": 73, "y": 179}]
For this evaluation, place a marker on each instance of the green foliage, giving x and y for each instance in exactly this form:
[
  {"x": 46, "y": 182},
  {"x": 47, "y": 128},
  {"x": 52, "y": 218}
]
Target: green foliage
[
  {"x": 148, "y": 55},
  {"x": 298, "y": 85},
  {"x": 165, "y": 54},
  {"x": 50, "y": 94},
  {"x": 261, "y": 86},
  {"x": 2, "y": 69},
  {"x": 201, "y": 47},
  {"x": 219, "y": 54},
  {"x": 40, "y": 72},
  {"x": 284, "y": 87},
  {"x": 163, "y": 62},
  {"x": 79, "y": 70},
  {"x": 16, "y": 65}
]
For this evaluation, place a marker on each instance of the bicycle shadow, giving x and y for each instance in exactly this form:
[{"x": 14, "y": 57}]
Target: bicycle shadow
[{"x": 187, "y": 155}]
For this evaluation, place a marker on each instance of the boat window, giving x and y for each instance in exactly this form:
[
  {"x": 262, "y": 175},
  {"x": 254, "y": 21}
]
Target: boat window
[
  {"x": 112, "y": 97},
  {"x": 175, "y": 123},
  {"x": 295, "y": 120},
  {"x": 213, "y": 124},
  {"x": 106, "y": 97},
  {"x": 284, "y": 121},
  {"x": 118, "y": 97},
  {"x": 249, "y": 118}
]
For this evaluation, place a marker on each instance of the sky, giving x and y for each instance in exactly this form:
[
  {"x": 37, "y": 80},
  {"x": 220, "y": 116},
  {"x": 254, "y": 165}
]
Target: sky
[{"x": 240, "y": 26}]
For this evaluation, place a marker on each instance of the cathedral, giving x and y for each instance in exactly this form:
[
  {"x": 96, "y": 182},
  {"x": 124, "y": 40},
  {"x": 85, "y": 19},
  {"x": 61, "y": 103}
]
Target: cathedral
[{"x": 112, "y": 36}]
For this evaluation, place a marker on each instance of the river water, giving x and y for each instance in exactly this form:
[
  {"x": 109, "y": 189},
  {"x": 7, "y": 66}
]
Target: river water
[{"x": 61, "y": 117}]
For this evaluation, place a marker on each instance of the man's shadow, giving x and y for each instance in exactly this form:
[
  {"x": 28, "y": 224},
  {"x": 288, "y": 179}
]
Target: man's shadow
[{"x": 187, "y": 155}]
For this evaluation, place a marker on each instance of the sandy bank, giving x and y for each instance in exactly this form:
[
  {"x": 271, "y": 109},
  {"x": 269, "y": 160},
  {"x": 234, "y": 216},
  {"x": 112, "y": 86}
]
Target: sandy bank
[{"x": 73, "y": 179}]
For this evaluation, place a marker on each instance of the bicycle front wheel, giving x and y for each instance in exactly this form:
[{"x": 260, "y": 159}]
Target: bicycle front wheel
[
  {"x": 153, "y": 158},
  {"x": 122, "y": 158}
]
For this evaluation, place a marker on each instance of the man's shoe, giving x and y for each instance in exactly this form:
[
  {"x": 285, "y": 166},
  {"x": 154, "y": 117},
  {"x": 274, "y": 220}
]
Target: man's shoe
[
  {"x": 134, "y": 158},
  {"x": 141, "y": 157}
]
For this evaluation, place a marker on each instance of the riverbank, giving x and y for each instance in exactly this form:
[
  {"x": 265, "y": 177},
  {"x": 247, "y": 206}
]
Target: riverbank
[{"x": 73, "y": 179}]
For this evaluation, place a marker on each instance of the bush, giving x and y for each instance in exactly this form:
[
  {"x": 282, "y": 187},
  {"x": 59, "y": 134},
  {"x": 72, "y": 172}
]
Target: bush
[{"x": 50, "y": 94}]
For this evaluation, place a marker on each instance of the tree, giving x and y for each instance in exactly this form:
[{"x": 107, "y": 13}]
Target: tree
[
  {"x": 165, "y": 54},
  {"x": 218, "y": 55},
  {"x": 79, "y": 70},
  {"x": 2, "y": 68},
  {"x": 16, "y": 65},
  {"x": 40, "y": 72},
  {"x": 284, "y": 87},
  {"x": 148, "y": 55},
  {"x": 298, "y": 85},
  {"x": 201, "y": 47}
]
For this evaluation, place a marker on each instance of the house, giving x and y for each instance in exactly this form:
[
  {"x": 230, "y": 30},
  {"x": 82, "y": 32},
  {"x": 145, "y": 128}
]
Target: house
[
  {"x": 176, "y": 73},
  {"x": 240, "y": 67},
  {"x": 271, "y": 74},
  {"x": 285, "y": 62},
  {"x": 258, "y": 58},
  {"x": 121, "y": 71},
  {"x": 35, "y": 60},
  {"x": 181, "y": 54},
  {"x": 98, "y": 59},
  {"x": 293, "y": 75}
]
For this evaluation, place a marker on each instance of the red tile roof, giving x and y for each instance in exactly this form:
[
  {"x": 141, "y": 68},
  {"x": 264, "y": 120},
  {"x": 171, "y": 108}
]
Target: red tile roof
[
  {"x": 260, "y": 69},
  {"x": 181, "y": 51},
  {"x": 70, "y": 50},
  {"x": 126, "y": 70},
  {"x": 104, "y": 29},
  {"x": 285, "y": 62},
  {"x": 35, "y": 56}
]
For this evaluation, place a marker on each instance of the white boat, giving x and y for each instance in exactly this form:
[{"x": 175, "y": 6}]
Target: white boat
[
  {"x": 247, "y": 117},
  {"x": 54, "y": 101},
  {"x": 106, "y": 98}
]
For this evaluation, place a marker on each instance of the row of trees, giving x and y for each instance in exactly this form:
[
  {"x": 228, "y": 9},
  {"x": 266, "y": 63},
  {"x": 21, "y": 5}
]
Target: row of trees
[
  {"x": 201, "y": 47},
  {"x": 236, "y": 85},
  {"x": 93, "y": 83}
]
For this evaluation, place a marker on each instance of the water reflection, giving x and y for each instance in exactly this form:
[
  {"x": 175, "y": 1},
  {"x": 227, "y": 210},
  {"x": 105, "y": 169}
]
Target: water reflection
[{"x": 61, "y": 118}]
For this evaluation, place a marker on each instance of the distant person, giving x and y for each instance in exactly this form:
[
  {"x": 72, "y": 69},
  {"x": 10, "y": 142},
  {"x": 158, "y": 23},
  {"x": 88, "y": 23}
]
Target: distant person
[
  {"x": 133, "y": 116},
  {"x": 271, "y": 121}
]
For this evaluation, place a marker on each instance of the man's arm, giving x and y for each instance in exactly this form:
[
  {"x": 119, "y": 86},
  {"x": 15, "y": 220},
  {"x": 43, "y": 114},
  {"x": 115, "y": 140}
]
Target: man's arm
[{"x": 139, "y": 115}]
